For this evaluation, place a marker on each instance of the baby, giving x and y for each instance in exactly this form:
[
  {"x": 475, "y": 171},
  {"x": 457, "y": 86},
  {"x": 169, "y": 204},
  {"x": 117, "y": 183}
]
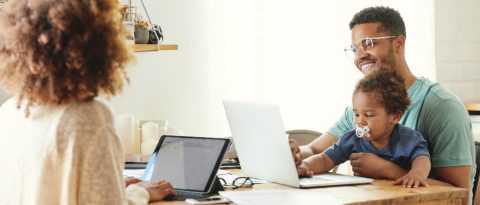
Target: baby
[{"x": 379, "y": 101}]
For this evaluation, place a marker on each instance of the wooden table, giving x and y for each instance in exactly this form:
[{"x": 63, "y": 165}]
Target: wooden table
[{"x": 378, "y": 193}]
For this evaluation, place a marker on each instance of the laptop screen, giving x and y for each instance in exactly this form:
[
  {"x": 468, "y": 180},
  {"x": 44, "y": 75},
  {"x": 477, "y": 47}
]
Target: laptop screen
[{"x": 188, "y": 163}]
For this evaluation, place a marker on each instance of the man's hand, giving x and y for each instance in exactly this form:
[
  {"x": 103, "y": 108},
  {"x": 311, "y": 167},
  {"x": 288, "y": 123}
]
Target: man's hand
[
  {"x": 296, "y": 153},
  {"x": 411, "y": 180},
  {"x": 160, "y": 190},
  {"x": 372, "y": 166}
]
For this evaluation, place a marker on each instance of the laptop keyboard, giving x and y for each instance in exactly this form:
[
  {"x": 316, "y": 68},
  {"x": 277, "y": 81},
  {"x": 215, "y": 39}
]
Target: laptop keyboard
[
  {"x": 188, "y": 195},
  {"x": 313, "y": 179}
]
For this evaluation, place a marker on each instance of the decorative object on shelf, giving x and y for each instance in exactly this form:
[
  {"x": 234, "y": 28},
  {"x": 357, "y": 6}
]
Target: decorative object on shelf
[
  {"x": 128, "y": 13},
  {"x": 141, "y": 35},
  {"x": 155, "y": 33},
  {"x": 130, "y": 34},
  {"x": 141, "y": 30}
]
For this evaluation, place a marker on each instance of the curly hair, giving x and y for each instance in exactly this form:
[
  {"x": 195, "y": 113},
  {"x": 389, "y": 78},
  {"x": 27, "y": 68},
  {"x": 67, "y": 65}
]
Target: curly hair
[
  {"x": 390, "y": 20},
  {"x": 62, "y": 51},
  {"x": 389, "y": 89}
]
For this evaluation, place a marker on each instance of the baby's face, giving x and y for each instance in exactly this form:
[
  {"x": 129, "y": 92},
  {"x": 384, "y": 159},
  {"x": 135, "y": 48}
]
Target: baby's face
[{"x": 369, "y": 112}]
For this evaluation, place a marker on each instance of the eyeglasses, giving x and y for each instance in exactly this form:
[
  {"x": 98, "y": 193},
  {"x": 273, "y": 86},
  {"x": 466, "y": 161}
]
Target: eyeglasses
[
  {"x": 364, "y": 45},
  {"x": 239, "y": 182}
]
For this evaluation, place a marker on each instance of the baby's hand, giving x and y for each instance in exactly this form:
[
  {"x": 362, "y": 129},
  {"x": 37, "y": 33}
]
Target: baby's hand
[
  {"x": 304, "y": 171},
  {"x": 411, "y": 180}
]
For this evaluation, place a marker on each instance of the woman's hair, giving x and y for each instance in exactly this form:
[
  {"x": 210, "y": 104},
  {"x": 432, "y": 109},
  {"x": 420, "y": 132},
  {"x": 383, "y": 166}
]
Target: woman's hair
[
  {"x": 62, "y": 51},
  {"x": 388, "y": 88}
]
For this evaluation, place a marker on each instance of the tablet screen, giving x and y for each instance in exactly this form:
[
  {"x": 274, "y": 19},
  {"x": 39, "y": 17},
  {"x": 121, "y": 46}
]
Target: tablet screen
[{"x": 189, "y": 163}]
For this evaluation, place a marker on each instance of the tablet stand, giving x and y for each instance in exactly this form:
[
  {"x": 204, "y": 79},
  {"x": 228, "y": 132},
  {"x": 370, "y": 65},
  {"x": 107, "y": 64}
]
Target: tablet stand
[{"x": 217, "y": 186}]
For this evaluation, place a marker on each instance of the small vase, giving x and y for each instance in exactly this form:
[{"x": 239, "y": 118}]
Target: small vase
[
  {"x": 130, "y": 35},
  {"x": 141, "y": 35}
]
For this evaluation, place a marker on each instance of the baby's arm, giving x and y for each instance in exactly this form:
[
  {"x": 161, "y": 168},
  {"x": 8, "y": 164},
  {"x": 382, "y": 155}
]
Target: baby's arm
[
  {"x": 315, "y": 164},
  {"x": 417, "y": 175}
]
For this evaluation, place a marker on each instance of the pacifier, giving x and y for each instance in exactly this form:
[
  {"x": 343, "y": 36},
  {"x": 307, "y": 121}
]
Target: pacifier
[{"x": 362, "y": 131}]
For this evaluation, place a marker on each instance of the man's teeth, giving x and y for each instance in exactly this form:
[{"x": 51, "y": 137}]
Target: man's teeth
[{"x": 367, "y": 67}]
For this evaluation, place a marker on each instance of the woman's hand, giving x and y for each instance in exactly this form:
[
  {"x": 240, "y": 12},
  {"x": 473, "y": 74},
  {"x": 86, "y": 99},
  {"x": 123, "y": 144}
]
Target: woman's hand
[
  {"x": 160, "y": 190},
  {"x": 131, "y": 180}
]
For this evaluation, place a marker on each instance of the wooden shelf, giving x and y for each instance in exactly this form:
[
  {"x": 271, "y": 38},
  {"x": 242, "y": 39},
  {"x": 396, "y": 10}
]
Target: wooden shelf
[
  {"x": 473, "y": 107},
  {"x": 153, "y": 47}
]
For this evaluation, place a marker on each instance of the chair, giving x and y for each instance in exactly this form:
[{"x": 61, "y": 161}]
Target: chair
[
  {"x": 477, "y": 162},
  {"x": 303, "y": 137}
]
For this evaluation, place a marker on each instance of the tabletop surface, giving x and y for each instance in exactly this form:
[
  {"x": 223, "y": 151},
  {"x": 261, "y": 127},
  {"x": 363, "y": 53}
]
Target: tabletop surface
[{"x": 379, "y": 192}]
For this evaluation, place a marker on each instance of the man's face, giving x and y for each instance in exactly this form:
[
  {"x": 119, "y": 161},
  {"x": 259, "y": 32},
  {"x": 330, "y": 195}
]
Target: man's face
[{"x": 372, "y": 58}]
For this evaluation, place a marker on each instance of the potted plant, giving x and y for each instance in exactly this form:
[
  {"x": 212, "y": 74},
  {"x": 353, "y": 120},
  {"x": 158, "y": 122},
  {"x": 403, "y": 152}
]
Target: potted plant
[{"x": 141, "y": 30}]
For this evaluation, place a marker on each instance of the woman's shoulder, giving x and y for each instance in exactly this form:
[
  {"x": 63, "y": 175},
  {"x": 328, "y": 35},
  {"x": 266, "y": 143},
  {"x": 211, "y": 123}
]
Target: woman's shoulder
[
  {"x": 86, "y": 123},
  {"x": 91, "y": 110},
  {"x": 87, "y": 116}
]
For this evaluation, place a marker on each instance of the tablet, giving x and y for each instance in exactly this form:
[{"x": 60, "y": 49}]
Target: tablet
[{"x": 190, "y": 164}]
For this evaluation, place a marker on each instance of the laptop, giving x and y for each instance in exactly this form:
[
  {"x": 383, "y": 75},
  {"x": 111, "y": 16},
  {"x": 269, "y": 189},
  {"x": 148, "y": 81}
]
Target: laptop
[
  {"x": 263, "y": 149},
  {"x": 190, "y": 164}
]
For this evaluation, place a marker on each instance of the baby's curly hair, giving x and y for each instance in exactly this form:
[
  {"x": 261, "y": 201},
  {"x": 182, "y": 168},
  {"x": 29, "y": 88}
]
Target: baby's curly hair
[
  {"x": 389, "y": 89},
  {"x": 62, "y": 51}
]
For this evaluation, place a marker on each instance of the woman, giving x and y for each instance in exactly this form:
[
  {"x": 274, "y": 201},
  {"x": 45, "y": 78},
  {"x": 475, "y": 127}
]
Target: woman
[{"x": 58, "y": 144}]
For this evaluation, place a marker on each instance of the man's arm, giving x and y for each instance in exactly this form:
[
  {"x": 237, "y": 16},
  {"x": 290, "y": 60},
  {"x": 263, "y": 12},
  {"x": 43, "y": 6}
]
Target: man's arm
[
  {"x": 318, "y": 145},
  {"x": 458, "y": 176},
  {"x": 315, "y": 147},
  {"x": 326, "y": 140}
]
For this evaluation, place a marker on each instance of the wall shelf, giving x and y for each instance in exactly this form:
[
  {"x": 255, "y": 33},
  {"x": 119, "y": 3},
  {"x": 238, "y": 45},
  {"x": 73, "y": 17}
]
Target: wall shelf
[
  {"x": 473, "y": 108},
  {"x": 153, "y": 47}
]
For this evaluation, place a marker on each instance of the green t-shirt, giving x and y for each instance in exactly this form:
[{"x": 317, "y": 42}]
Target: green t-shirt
[{"x": 444, "y": 123}]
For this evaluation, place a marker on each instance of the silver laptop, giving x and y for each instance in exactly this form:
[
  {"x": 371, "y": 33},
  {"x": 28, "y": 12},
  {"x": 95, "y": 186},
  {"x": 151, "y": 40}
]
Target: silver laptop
[{"x": 263, "y": 150}]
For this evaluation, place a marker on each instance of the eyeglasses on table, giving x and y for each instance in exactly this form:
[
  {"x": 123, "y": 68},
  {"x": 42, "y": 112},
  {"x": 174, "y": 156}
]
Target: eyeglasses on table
[{"x": 239, "y": 182}]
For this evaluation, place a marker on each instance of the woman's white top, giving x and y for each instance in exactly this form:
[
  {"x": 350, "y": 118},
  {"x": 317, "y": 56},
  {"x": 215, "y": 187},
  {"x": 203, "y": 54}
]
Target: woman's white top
[{"x": 63, "y": 154}]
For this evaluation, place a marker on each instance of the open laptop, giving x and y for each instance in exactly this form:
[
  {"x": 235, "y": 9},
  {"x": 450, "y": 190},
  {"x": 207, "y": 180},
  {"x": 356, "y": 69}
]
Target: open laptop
[
  {"x": 190, "y": 164},
  {"x": 263, "y": 149}
]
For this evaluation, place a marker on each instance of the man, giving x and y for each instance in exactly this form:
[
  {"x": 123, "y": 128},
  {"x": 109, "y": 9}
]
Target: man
[{"x": 378, "y": 36}]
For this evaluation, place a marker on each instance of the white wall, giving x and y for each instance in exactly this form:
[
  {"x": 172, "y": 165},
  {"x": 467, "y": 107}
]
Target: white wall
[
  {"x": 173, "y": 85},
  {"x": 3, "y": 95},
  {"x": 457, "y": 49},
  {"x": 287, "y": 52}
]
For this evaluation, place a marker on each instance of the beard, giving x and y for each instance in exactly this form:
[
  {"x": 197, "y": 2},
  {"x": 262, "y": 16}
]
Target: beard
[{"x": 389, "y": 62}]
